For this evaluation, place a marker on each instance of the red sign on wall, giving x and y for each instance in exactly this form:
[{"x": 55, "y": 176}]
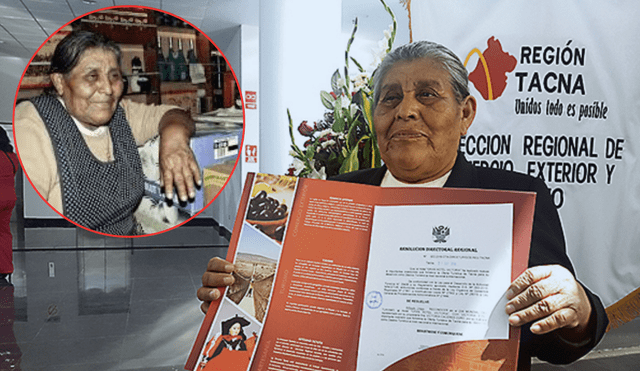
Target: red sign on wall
[
  {"x": 250, "y": 100},
  {"x": 251, "y": 154}
]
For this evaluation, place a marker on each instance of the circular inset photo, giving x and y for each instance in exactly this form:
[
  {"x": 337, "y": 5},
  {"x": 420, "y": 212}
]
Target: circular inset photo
[{"x": 128, "y": 121}]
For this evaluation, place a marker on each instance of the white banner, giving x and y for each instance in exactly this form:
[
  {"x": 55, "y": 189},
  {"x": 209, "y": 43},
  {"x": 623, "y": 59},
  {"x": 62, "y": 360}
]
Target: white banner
[{"x": 558, "y": 97}]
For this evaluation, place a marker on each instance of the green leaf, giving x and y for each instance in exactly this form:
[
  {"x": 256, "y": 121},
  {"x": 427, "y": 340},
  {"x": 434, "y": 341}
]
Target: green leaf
[
  {"x": 298, "y": 154},
  {"x": 337, "y": 105},
  {"x": 346, "y": 52},
  {"x": 295, "y": 148},
  {"x": 337, "y": 113},
  {"x": 332, "y": 157},
  {"x": 366, "y": 152},
  {"x": 304, "y": 173},
  {"x": 347, "y": 117},
  {"x": 311, "y": 150},
  {"x": 364, "y": 139},
  {"x": 334, "y": 83},
  {"x": 351, "y": 134},
  {"x": 345, "y": 91},
  {"x": 338, "y": 124},
  {"x": 375, "y": 152},
  {"x": 291, "y": 128},
  {"x": 368, "y": 116},
  {"x": 303, "y": 156},
  {"x": 394, "y": 28},
  {"x": 367, "y": 110},
  {"x": 350, "y": 163},
  {"x": 362, "y": 70},
  {"x": 327, "y": 100}
]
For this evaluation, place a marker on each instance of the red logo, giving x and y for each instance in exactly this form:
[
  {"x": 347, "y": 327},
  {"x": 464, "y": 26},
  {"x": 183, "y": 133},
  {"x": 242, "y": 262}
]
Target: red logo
[
  {"x": 251, "y": 154},
  {"x": 490, "y": 75},
  {"x": 250, "y": 100}
]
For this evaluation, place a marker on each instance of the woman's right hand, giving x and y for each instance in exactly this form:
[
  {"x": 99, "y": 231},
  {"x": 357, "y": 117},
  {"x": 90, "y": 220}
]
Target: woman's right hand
[{"x": 218, "y": 274}]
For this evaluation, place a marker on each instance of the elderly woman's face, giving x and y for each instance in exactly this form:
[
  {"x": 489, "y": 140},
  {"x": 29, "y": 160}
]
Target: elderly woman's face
[
  {"x": 92, "y": 89},
  {"x": 418, "y": 121}
]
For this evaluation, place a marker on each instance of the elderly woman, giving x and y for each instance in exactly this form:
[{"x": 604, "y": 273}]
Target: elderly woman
[
  {"x": 78, "y": 144},
  {"x": 422, "y": 107}
]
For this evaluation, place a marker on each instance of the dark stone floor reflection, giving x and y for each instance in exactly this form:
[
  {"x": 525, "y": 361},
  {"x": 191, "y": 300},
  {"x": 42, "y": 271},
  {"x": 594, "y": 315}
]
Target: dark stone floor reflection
[
  {"x": 99, "y": 309},
  {"x": 618, "y": 362}
]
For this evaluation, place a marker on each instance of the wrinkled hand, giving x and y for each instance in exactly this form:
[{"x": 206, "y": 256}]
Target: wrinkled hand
[
  {"x": 550, "y": 296},
  {"x": 178, "y": 167},
  {"x": 218, "y": 274}
]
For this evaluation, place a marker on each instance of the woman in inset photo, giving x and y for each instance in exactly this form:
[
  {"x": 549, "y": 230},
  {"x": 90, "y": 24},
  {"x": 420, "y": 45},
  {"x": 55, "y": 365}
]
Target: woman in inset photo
[{"x": 78, "y": 141}]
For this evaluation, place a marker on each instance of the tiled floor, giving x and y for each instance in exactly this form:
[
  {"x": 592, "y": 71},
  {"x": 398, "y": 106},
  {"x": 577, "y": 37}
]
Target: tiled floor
[
  {"x": 115, "y": 308},
  {"x": 98, "y": 309}
]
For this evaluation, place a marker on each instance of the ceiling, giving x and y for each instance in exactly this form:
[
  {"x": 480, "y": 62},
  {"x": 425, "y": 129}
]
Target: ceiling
[{"x": 26, "y": 24}]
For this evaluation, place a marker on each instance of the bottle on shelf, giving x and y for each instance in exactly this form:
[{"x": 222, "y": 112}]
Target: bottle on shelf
[
  {"x": 182, "y": 68},
  {"x": 139, "y": 80},
  {"x": 161, "y": 61},
  {"x": 196, "y": 69},
  {"x": 220, "y": 67},
  {"x": 192, "y": 60},
  {"x": 136, "y": 70},
  {"x": 191, "y": 54},
  {"x": 172, "y": 62}
]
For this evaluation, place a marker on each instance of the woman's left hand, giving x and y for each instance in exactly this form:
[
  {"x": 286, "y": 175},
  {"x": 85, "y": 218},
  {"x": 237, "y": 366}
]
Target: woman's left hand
[
  {"x": 178, "y": 166},
  {"x": 550, "y": 296}
]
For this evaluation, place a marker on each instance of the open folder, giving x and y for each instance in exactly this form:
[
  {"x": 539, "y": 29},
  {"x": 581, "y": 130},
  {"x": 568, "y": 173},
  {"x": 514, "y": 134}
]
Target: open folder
[{"x": 336, "y": 276}]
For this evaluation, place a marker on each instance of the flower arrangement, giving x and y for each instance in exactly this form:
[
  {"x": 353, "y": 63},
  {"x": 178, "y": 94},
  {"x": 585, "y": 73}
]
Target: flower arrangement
[{"x": 344, "y": 139}]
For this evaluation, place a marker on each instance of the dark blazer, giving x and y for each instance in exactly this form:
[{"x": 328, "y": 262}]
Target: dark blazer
[{"x": 547, "y": 247}]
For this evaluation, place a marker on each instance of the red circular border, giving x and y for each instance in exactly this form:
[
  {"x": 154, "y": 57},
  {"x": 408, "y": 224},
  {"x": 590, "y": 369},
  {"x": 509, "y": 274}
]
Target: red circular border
[{"x": 212, "y": 43}]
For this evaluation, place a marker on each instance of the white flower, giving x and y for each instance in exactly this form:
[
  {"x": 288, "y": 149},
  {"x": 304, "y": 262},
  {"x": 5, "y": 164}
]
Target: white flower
[
  {"x": 381, "y": 51},
  {"x": 325, "y": 132},
  {"x": 318, "y": 174},
  {"x": 328, "y": 143},
  {"x": 353, "y": 109},
  {"x": 345, "y": 101},
  {"x": 360, "y": 82},
  {"x": 298, "y": 165}
]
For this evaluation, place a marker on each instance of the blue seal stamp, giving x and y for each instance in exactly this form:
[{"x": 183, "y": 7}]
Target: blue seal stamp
[{"x": 374, "y": 299}]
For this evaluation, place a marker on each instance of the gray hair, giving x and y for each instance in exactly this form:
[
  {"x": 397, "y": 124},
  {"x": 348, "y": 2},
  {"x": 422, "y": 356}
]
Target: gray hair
[
  {"x": 424, "y": 49},
  {"x": 69, "y": 51}
]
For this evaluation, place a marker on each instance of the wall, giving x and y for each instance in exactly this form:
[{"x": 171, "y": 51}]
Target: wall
[
  {"x": 10, "y": 73},
  {"x": 299, "y": 50}
]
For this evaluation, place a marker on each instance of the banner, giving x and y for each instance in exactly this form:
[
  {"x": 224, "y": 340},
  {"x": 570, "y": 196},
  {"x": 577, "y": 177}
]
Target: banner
[{"x": 558, "y": 98}]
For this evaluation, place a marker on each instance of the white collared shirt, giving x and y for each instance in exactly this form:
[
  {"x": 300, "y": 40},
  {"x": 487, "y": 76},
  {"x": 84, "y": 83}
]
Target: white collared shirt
[
  {"x": 97, "y": 132},
  {"x": 390, "y": 181}
]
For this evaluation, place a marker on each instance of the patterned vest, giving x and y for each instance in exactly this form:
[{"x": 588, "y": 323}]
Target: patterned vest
[{"x": 98, "y": 195}]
